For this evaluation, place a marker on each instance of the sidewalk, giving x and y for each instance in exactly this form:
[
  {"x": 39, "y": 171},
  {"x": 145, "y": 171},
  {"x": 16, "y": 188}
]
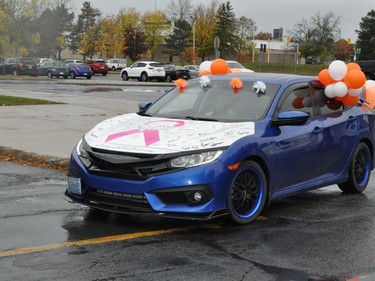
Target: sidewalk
[{"x": 48, "y": 133}]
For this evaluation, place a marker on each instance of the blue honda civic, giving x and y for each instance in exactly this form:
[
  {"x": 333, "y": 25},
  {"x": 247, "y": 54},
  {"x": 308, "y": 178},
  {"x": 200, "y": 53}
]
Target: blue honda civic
[{"x": 224, "y": 145}]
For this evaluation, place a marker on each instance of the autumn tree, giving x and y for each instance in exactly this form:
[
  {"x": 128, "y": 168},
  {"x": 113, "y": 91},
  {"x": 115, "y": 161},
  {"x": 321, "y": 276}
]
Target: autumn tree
[
  {"x": 135, "y": 42},
  {"x": 112, "y": 40},
  {"x": 154, "y": 25},
  {"x": 366, "y": 35},
  {"x": 204, "y": 21}
]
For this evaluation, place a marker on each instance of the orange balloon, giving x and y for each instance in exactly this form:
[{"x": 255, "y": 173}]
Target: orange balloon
[
  {"x": 352, "y": 66},
  {"x": 325, "y": 78},
  {"x": 355, "y": 79},
  {"x": 297, "y": 103},
  {"x": 349, "y": 100},
  {"x": 219, "y": 67},
  {"x": 236, "y": 84},
  {"x": 204, "y": 72},
  {"x": 370, "y": 97}
]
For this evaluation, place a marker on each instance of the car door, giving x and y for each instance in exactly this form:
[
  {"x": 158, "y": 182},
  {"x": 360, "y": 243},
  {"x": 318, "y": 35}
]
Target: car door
[
  {"x": 9, "y": 64},
  {"x": 133, "y": 70},
  {"x": 341, "y": 128},
  {"x": 295, "y": 153}
]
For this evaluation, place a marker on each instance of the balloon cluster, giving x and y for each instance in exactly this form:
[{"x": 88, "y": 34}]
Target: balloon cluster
[
  {"x": 216, "y": 67},
  {"x": 344, "y": 82}
]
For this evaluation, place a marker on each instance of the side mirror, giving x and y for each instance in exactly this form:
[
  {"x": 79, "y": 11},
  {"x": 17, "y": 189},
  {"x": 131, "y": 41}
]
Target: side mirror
[
  {"x": 290, "y": 118},
  {"x": 143, "y": 106}
]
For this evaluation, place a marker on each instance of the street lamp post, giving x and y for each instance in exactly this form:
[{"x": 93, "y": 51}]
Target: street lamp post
[{"x": 193, "y": 43}]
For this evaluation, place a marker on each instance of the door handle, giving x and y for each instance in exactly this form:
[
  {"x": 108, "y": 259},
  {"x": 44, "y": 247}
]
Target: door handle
[{"x": 317, "y": 130}]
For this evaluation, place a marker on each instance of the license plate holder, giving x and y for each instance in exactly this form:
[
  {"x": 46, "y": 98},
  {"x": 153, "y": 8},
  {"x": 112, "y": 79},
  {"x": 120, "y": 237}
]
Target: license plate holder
[{"x": 74, "y": 185}]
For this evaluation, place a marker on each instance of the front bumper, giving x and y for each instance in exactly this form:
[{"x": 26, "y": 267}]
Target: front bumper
[{"x": 170, "y": 194}]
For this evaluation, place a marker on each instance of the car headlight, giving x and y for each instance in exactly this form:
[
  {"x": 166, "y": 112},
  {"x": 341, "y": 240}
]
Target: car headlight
[
  {"x": 82, "y": 149},
  {"x": 192, "y": 160}
]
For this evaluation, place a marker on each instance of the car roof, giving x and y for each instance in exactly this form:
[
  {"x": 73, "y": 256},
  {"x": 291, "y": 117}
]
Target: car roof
[{"x": 273, "y": 78}]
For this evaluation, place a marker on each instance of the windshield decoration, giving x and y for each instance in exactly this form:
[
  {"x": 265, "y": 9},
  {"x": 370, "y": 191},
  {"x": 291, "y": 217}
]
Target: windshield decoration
[
  {"x": 259, "y": 87},
  {"x": 236, "y": 84},
  {"x": 346, "y": 82},
  {"x": 205, "y": 82},
  {"x": 181, "y": 84}
]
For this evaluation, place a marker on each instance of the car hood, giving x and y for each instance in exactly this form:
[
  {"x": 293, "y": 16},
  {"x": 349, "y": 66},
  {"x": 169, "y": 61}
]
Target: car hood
[{"x": 140, "y": 134}]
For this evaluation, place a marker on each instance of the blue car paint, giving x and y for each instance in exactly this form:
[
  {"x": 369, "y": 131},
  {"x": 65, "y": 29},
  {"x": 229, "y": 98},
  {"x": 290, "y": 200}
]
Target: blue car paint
[{"x": 287, "y": 154}]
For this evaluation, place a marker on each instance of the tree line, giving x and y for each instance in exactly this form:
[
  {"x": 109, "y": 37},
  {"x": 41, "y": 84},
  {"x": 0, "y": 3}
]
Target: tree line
[{"x": 43, "y": 28}]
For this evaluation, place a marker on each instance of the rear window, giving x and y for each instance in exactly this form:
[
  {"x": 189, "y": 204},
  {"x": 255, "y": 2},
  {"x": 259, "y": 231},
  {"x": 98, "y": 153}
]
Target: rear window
[{"x": 29, "y": 61}]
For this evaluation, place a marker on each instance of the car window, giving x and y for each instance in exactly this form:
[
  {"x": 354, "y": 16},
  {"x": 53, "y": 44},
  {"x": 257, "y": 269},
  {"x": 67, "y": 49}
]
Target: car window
[{"x": 296, "y": 98}]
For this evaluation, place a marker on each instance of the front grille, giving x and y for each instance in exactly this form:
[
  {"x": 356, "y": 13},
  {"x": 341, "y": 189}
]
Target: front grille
[
  {"x": 117, "y": 201},
  {"x": 130, "y": 166}
]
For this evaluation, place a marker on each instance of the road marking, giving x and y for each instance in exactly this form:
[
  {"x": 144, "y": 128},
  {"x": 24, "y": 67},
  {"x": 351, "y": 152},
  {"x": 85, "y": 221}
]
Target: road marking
[{"x": 106, "y": 239}]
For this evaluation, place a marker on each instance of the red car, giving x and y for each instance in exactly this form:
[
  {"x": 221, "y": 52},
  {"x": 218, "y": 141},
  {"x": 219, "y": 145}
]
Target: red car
[{"x": 98, "y": 66}]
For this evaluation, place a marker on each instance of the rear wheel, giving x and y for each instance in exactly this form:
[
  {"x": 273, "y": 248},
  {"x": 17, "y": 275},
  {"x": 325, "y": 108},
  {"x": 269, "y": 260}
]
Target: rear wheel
[
  {"x": 88, "y": 77},
  {"x": 359, "y": 170},
  {"x": 49, "y": 75},
  {"x": 248, "y": 193},
  {"x": 168, "y": 78},
  {"x": 72, "y": 75},
  {"x": 15, "y": 72},
  {"x": 144, "y": 77}
]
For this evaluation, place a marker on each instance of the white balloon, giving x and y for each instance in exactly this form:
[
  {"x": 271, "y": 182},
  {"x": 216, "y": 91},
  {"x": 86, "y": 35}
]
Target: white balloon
[
  {"x": 337, "y": 70},
  {"x": 369, "y": 83},
  {"x": 340, "y": 89},
  {"x": 355, "y": 92},
  {"x": 206, "y": 65},
  {"x": 329, "y": 91}
]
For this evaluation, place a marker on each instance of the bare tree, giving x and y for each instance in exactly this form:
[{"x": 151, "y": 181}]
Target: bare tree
[{"x": 179, "y": 9}]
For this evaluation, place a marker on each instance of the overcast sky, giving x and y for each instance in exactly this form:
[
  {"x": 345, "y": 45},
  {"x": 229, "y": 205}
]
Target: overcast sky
[{"x": 268, "y": 14}]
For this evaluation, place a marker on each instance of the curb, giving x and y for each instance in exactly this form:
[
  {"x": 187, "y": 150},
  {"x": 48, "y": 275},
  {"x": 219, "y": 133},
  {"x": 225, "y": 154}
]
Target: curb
[{"x": 8, "y": 154}]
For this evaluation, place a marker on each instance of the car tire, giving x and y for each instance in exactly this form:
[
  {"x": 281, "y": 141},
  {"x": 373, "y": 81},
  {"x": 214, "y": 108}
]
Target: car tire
[
  {"x": 49, "y": 75},
  {"x": 144, "y": 77},
  {"x": 359, "y": 170},
  {"x": 124, "y": 76},
  {"x": 168, "y": 78},
  {"x": 88, "y": 77},
  {"x": 247, "y": 195},
  {"x": 65, "y": 76},
  {"x": 15, "y": 72},
  {"x": 113, "y": 68},
  {"x": 73, "y": 75},
  {"x": 104, "y": 74}
]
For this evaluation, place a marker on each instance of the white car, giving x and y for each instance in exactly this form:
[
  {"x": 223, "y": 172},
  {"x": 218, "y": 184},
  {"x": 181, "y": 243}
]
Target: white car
[
  {"x": 144, "y": 71},
  {"x": 194, "y": 70},
  {"x": 237, "y": 67},
  {"x": 114, "y": 64}
]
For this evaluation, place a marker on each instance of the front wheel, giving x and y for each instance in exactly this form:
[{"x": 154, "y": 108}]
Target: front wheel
[
  {"x": 144, "y": 77},
  {"x": 124, "y": 76},
  {"x": 248, "y": 193},
  {"x": 72, "y": 75},
  {"x": 359, "y": 170}
]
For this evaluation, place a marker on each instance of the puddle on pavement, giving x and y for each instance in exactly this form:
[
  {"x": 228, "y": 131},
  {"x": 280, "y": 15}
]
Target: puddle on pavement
[{"x": 102, "y": 89}]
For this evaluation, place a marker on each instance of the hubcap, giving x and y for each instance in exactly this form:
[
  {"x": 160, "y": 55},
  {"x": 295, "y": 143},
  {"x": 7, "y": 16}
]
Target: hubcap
[{"x": 361, "y": 168}]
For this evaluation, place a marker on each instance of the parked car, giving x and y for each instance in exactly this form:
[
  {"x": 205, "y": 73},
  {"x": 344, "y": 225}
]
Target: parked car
[
  {"x": 115, "y": 64},
  {"x": 40, "y": 60},
  {"x": 79, "y": 70},
  {"x": 194, "y": 70},
  {"x": 19, "y": 66},
  {"x": 144, "y": 71},
  {"x": 53, "y": 68},
  {"x": 174, "y": 72},
  {"x": 98, "y": 66},
  {"x": 73, "y": 61},
  {"x": 368, "y": 68},
  {"x": 237, "y": 67},
  {"x": 211, "y": 149}
]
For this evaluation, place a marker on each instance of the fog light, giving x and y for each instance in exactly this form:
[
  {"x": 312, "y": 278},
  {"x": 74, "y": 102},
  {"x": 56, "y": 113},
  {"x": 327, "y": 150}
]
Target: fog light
[{"x": 198, "y": 196}]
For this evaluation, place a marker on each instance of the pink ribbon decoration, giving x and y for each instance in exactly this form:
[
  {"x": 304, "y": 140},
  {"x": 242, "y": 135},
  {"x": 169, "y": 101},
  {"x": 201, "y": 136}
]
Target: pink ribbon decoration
[{"x": 150, "y": 136}]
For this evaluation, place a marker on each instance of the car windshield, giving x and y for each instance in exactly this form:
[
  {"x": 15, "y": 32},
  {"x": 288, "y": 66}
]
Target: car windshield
[{"x": 215, "y": 102}]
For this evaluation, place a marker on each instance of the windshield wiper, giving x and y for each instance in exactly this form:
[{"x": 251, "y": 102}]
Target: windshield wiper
[
  {"x": 201, "y": 119},
  {"x": 143, "y": 114}
]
